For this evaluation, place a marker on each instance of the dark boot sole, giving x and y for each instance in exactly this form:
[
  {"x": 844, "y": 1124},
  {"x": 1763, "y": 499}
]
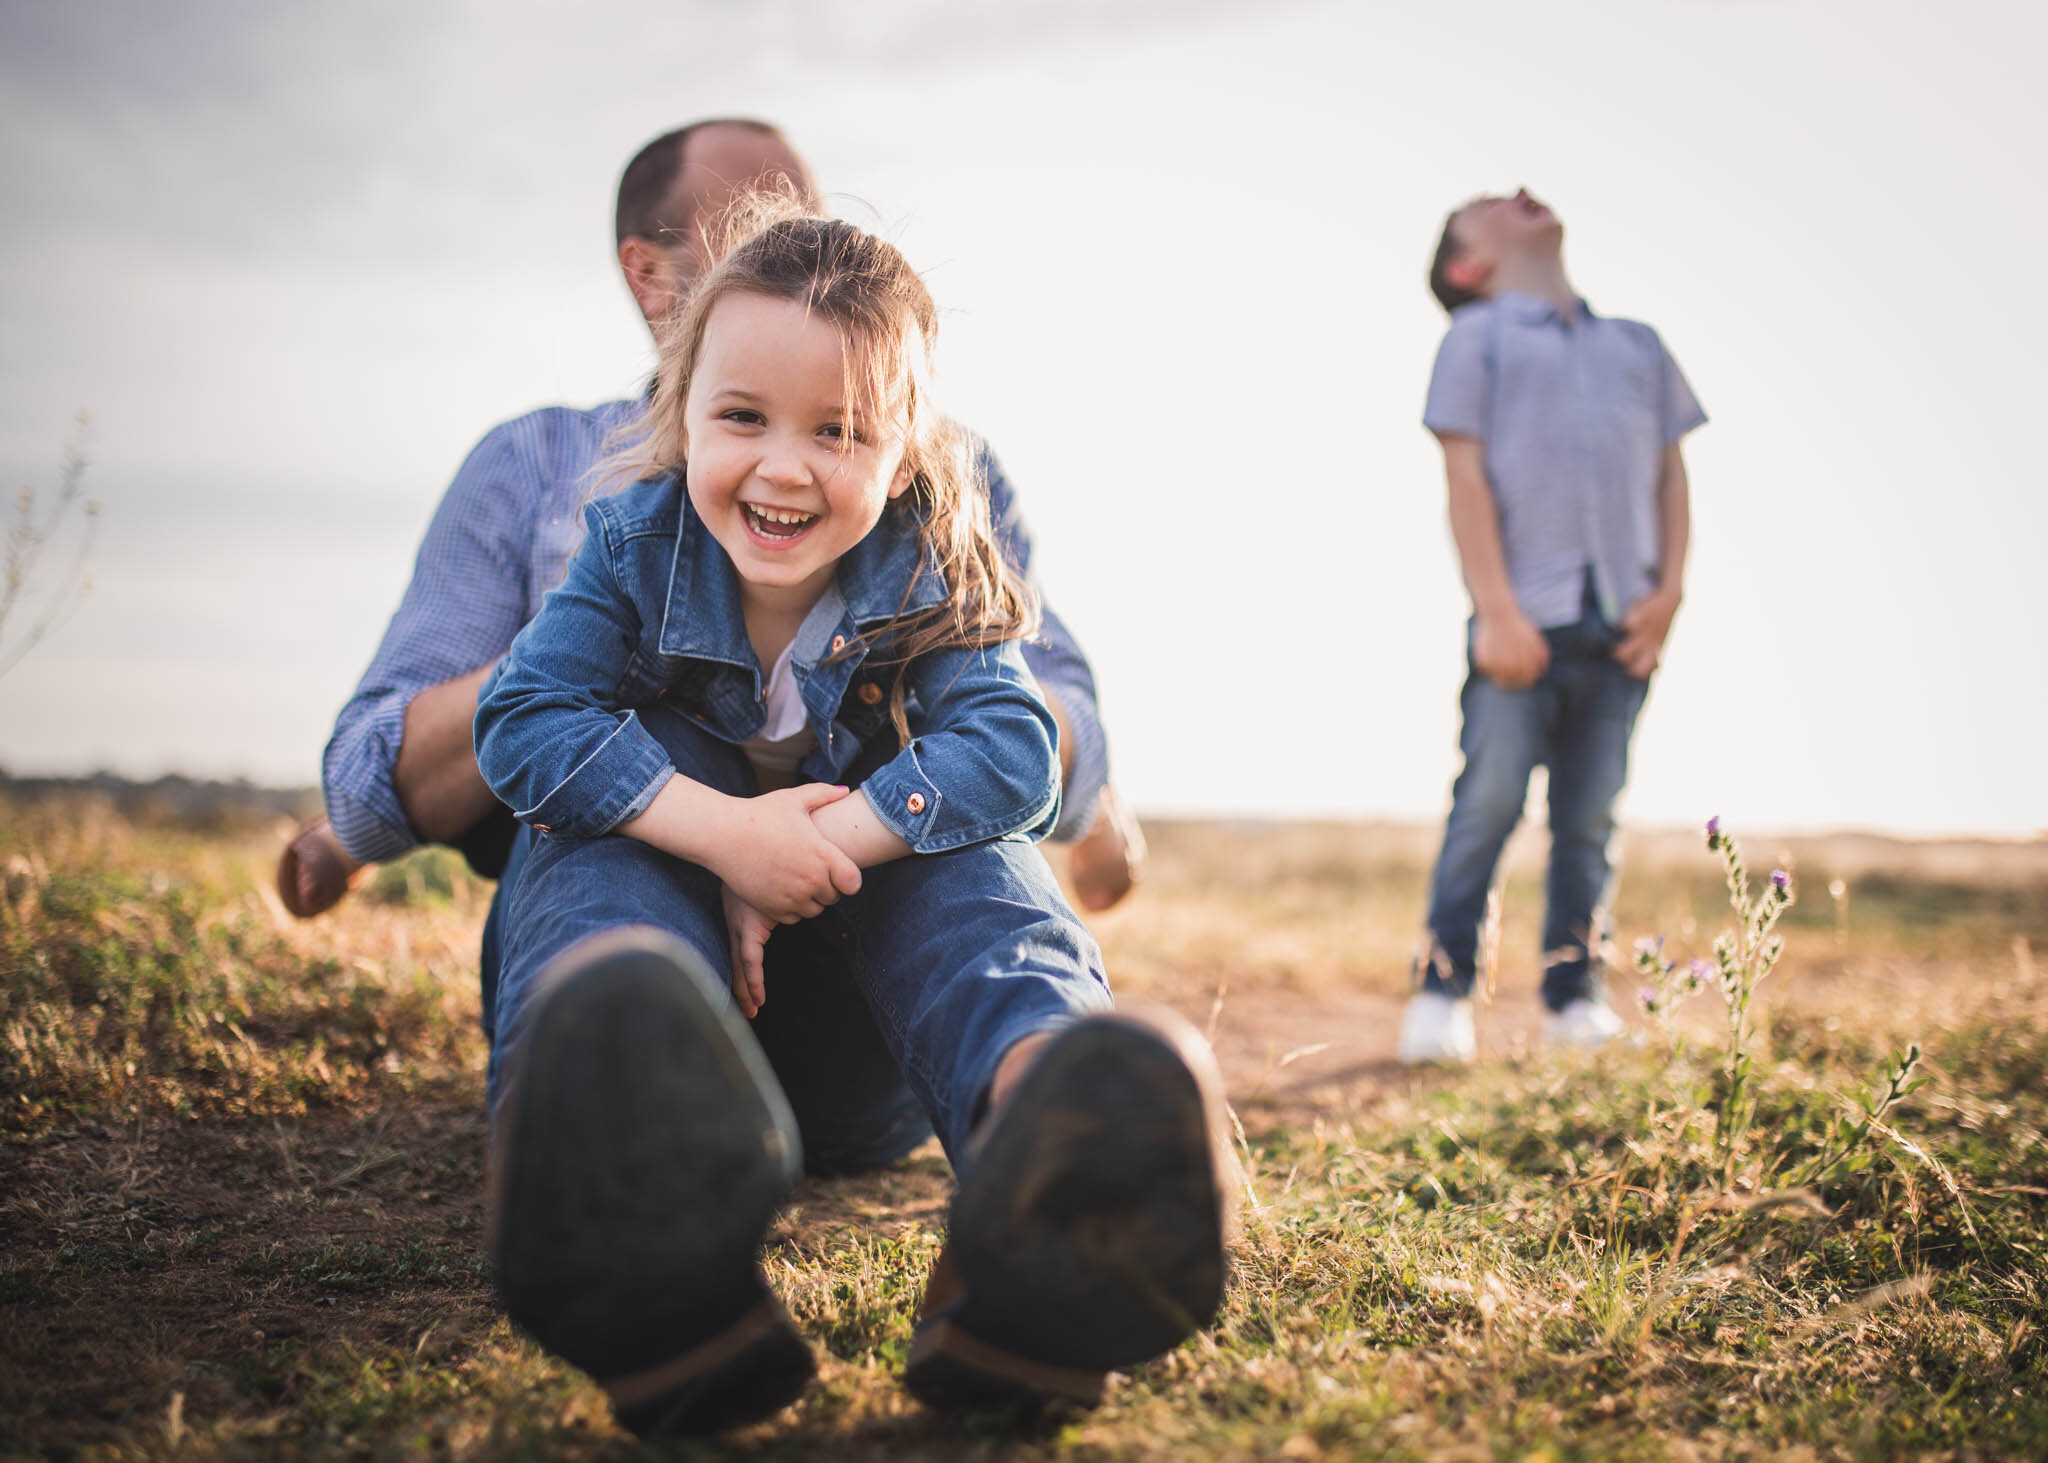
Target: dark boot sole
[
  {"x": 1088, "y": 1235},
  {"x": 642, "y": 1150}
]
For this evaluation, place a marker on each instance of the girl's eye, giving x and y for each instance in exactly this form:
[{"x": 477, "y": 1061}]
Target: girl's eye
[
  {"x": 840, "y": 432},
  {"x": 745, "y": 415}
]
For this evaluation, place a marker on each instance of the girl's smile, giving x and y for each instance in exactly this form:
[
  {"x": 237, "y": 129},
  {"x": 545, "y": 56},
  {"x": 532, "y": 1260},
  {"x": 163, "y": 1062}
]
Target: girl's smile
[{"x": 776, "y": 528}]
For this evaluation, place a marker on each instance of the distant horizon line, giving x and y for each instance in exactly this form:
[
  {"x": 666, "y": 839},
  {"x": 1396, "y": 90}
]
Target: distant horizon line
[{"x": 105, "y": 778}]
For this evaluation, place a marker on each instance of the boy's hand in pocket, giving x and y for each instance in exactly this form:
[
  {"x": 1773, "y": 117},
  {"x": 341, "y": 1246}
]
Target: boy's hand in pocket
[
  {"x": 1509, "y": 650},
  {"x": 1643, "y": 630}
]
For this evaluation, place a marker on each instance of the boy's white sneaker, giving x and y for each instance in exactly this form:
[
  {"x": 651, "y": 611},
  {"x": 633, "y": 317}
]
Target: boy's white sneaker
[
  {"x": 1584, "y": 1024},
  {"x": 1437, "y": 1028}
]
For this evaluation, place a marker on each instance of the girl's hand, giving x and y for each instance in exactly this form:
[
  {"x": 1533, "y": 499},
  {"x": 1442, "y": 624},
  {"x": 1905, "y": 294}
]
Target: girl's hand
[
  {"x": 775, "y": 859},
  {"x": 747, "y": 931}
]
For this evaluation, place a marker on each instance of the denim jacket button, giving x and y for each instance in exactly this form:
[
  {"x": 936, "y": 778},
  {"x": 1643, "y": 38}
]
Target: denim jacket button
[
  {"x": 838, "y": 643},
  {"x": 870, "y": 693},
  {"x": 542, "y": 828},
  {"x": 915, "y": 802}
]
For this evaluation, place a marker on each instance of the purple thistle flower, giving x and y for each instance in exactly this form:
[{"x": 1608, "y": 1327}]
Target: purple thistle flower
[
  {"x": 1703, "y": 974},
  {"x": 1780, "y": 880},
  {"x": 1714, "y": 826},
  {"x": 1649, "y": 999}
]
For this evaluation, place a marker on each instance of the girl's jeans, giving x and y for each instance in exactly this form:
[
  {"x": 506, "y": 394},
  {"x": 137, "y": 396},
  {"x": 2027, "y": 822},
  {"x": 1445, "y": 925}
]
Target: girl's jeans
[
  {"x": 1576, "y": 720},
  {"x": 886, "y": 1015}
]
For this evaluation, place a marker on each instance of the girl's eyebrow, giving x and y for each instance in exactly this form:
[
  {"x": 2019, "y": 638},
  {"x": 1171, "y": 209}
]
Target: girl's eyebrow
[{"x": 741, "y": 393}]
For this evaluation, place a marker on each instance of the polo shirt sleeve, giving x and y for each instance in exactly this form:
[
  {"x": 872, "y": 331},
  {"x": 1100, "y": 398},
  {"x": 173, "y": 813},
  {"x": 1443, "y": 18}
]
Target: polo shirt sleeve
[
  {"x": 1456, "y": 405},
  {"x": 1678, "y": 409}
]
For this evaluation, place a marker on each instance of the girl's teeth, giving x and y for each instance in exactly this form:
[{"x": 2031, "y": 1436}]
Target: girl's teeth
[{"x": 781, "y": 517}]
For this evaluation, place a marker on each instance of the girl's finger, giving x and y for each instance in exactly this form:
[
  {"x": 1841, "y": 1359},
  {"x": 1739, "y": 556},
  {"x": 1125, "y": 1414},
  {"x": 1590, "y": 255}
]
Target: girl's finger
[
  {"x": 757, "y": 985},
  {"x": 815, "y": 795},
  {"x": 739, "y": 979}
]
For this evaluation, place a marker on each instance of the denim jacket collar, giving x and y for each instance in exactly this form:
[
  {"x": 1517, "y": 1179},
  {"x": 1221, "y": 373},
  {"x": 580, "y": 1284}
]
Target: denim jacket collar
[{"x": 702, "y": 619}]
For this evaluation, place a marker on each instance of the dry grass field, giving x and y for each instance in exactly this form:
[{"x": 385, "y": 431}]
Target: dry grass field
[{"x": 241, "y": 1176}]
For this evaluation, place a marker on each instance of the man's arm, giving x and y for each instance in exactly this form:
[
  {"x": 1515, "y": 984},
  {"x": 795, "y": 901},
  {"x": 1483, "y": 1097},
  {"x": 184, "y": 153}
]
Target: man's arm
[
  {"x": 466, "y": 601},
  {"x": 436, "y": 776},
  {"x": 1648, "y": 621},
  {"x": 1063, "y": 673},
  {"x": 1507, "y": 647}
]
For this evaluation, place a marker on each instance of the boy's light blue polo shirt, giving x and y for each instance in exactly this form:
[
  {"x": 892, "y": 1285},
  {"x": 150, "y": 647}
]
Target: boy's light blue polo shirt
[{"x": 1574, "y": 415}]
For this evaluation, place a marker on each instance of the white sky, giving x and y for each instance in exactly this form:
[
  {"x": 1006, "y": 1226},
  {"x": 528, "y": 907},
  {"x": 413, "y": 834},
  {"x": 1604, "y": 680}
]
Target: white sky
[{"x": 296, "y": 263}]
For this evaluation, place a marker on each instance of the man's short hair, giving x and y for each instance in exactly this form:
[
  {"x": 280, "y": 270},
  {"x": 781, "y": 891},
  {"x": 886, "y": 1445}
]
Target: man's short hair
[
  {"x": 1449, "y": 295},
  {"x": 646, "y": 186}
]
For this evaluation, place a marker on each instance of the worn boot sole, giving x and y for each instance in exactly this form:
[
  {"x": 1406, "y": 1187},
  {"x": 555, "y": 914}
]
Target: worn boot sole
[
  {"x": 642, "y": 1149},
  {"x": 1088, "y": 1236}
]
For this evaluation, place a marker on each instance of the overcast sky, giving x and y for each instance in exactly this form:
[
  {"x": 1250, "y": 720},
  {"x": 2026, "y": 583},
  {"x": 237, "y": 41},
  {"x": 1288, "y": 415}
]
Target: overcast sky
[{"x": 295, "y": 260}]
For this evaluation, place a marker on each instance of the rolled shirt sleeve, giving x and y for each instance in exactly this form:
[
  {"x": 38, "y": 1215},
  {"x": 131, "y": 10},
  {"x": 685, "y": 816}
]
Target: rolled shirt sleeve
[
  {"x": 462, "y": 608},
  {"x": 1456, "y": 403},
  {"x": 1062, "y": 669},
  {"x": 550, "y": 740}
]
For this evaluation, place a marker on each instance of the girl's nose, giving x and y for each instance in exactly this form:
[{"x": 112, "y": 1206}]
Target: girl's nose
[{"x": 784, "y": 466}]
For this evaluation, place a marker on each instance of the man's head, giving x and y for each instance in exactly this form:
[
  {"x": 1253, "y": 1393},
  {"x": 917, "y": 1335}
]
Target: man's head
[
  {"x": 673, "y": 192},
  {"x": 1481, "y": 234}
]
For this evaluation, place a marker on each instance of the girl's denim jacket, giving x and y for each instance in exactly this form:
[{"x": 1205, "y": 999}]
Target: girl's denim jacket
[{"x": 647, "y": 626}]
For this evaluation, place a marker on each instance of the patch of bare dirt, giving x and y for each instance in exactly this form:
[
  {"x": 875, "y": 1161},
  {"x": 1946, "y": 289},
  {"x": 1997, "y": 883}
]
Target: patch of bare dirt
[{"x": 209, "y": 1259}]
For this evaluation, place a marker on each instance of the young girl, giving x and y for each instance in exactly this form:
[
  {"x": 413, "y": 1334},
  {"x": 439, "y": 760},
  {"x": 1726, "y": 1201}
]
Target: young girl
[{"x": 775, "y": 733}]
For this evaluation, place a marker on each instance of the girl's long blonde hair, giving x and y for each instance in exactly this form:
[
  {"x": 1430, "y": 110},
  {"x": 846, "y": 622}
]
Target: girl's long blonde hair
[{"x": 768, "y": 245}]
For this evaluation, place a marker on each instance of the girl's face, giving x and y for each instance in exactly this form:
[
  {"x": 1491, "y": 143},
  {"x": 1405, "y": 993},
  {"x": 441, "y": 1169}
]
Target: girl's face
[{"x": 781, "y": 470}]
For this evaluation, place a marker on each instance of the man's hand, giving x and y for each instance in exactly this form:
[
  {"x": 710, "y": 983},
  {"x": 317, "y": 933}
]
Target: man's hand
[
  {"x": 1643, "y": 630},
  {"x": 777, "y": 861},
  {"x": 746, "y": 932},
  {"x": 1509, "y": 650}
]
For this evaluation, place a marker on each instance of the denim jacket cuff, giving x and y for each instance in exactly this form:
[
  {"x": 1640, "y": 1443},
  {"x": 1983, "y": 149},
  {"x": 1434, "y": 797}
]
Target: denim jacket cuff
[
  {"x": 909, "y": 804},
  {"x": 613, "y": 784}
]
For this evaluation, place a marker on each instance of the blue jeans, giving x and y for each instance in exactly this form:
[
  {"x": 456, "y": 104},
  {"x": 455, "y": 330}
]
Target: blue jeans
[
  {"x": 886, "y": 1015},
  {"x": 1576, "y": 720}
]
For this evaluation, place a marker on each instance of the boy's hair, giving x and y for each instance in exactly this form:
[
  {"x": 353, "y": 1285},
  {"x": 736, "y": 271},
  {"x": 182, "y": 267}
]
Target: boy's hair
[
  {"x": 1449, "y": 295},
  {"x": 770, "y": 246},
  {"x": 650, "y": 178}
]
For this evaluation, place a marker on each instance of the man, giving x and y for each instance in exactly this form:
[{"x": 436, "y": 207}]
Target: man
[{"x": 400, "y": 769}]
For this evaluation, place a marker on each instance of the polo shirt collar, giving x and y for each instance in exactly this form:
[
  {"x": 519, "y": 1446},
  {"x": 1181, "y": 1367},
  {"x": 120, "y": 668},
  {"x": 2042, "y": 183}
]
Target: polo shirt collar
[{"x": 1534, "y": 309}]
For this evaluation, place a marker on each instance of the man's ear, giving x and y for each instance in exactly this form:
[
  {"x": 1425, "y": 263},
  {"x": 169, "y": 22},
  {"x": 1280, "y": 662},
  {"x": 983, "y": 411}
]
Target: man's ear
[{"x": 650, "y": 276}]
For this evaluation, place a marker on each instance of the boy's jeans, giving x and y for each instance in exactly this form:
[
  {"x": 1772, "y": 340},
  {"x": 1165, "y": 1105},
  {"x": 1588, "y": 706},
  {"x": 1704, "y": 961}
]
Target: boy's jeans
[
  {"x": 886, "y": 1015},
  {"x": 1576, "y": 720}
]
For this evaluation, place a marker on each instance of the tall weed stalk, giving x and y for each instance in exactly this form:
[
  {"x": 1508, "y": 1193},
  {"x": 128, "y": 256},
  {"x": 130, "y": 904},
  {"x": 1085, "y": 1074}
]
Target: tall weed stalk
[{"x": 1744, "y": 956}]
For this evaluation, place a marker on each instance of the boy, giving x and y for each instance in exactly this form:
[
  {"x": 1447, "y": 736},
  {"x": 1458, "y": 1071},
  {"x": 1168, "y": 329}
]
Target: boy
[{"x": 1568, "y": 501}]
